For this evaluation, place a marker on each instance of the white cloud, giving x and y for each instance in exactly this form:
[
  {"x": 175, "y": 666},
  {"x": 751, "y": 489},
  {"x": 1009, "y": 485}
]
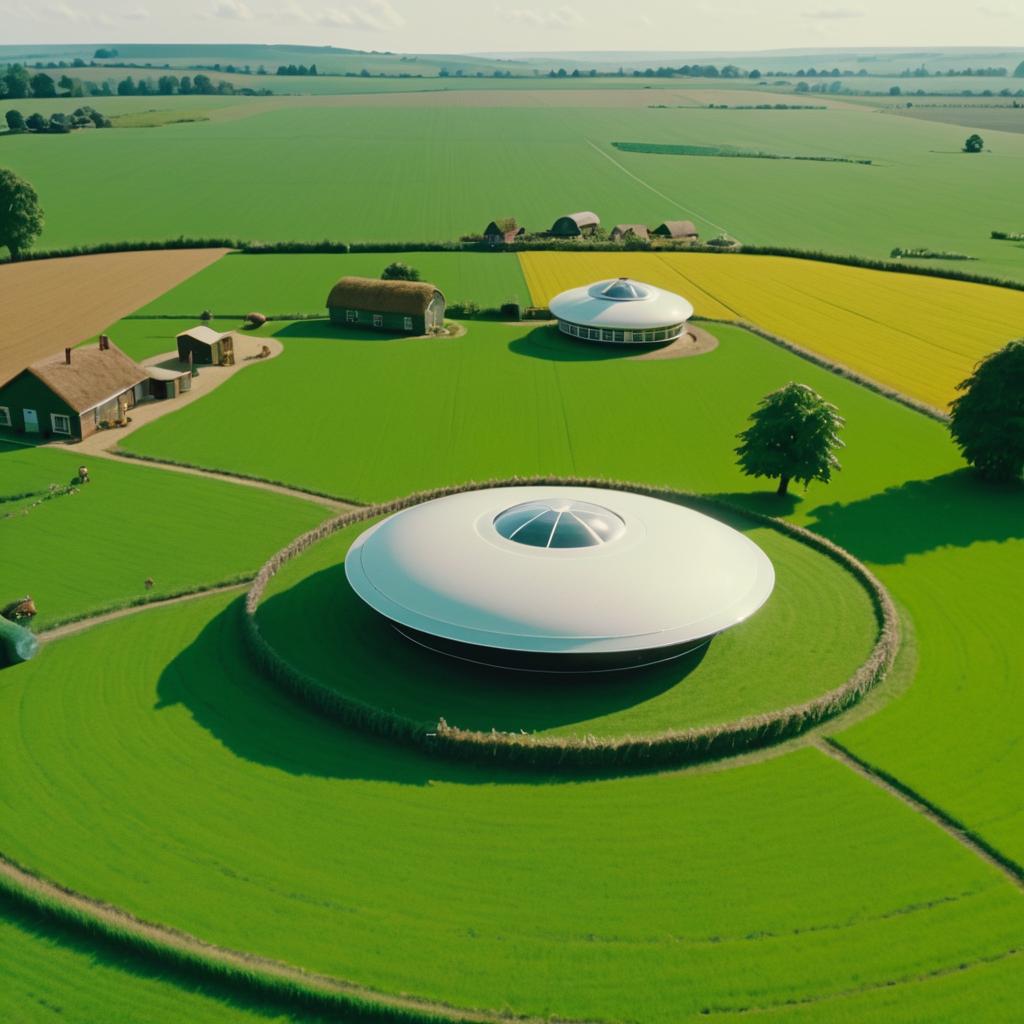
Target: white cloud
[
  {"x": 557, "y": 18},
  {"x": 232, "y": 10},
  {"x": 74, "y": 16},
  {"x": 834, "y": 14},
  {"x": 374, "y": 16},
  {"x": 995, "y": 11},
  {"x": 136, "y": 14}
]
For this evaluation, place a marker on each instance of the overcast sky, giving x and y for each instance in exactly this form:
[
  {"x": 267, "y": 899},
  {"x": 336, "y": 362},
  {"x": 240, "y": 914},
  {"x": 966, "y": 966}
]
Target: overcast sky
[{"x": 460, "y": 26}]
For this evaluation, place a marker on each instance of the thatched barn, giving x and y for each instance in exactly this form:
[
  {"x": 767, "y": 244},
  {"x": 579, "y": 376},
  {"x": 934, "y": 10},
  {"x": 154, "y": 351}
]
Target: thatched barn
[
  {"x": 72, "y": 393},
  {"x": 573, "y": 225},
  {"x": 206, "y": 346},
  {"x": 623, "y": 231},
  {"x": 503, "y": 231},
  {"x": 167, "y": 383},
  {"x": 681, "y": 230},
  {"x": 412, "y": 307}
]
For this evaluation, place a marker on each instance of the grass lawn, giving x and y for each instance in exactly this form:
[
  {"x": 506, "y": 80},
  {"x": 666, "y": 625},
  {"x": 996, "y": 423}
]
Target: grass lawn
[
  {"x": 299, "y": 283},
  {"x": 94, "y": 549},
  {"x": 918, "y": 335},
  {"x": 436, "y": 169},
  {"x": 204, "y": 798},
  {"x": 814, "y": 631}
]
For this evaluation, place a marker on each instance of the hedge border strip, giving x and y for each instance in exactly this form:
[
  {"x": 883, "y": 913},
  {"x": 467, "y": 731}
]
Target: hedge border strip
[
  {"x": 257, "y": 974},
  {"x": 837, "y": 368},
  {"x": 667, "y": 748}
]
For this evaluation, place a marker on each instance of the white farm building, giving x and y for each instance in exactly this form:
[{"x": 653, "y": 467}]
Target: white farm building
[{"x": 621, "y": 311}]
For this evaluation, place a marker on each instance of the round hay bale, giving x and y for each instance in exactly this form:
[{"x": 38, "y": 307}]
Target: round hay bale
[{"x": 255, "y": 319}]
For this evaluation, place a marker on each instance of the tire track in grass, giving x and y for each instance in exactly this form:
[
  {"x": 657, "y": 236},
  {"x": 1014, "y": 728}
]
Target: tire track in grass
[
  {"x": 1010, "y": 869},
  {"x": 661, "y": 195}
]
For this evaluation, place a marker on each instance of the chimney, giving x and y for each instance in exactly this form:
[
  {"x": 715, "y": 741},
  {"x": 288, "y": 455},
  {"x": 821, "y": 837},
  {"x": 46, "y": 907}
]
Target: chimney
[
  {"x": 104, "y": 343},
  {"x": 67, "y": 356}
]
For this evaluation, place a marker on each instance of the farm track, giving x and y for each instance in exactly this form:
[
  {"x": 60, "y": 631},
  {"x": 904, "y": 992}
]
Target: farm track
[
  {"x": 243, "y": 968},
  {"x": 1009, "y": 868}
]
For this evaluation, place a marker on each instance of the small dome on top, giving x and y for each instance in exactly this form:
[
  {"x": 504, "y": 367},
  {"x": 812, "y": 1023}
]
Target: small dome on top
[
  {"x": 559, "y": 523},
  {"x": 620, "y": 290}
]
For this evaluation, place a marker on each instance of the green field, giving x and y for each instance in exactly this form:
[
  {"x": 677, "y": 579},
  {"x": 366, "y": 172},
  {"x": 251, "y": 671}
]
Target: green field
[
  {"x": 94, "y": 549},
  {"x": 312, "y": 617},
  {"x": 267, "y": 828},
  {"x": 276, "y": 285},
  {"x": 419, "y": 170}
]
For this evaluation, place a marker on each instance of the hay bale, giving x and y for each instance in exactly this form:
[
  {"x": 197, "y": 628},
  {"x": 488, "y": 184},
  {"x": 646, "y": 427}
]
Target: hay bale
[{"x": 255, "y": 319}]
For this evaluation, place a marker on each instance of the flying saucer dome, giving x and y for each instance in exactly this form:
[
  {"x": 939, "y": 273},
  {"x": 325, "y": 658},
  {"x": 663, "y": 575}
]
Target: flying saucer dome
[
  {"x": 621, "y": 310},
  {"x": 558, "y": 578}
]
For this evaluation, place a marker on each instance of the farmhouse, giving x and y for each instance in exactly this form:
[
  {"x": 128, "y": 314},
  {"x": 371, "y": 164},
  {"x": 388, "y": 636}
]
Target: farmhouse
[
  {"x": 552, "y": 578},
  {"x": 206, "y": 347},
  {"x": 622, "y": 231},
  {"x": 622, "y": 311},
  {"x": 681, "y": 230},
  {"x": 572, "y": 225},
  {"x": 70, "y": 394},
  {"x": 503, "y": 231},
  {"x": 413, "y": 307}
]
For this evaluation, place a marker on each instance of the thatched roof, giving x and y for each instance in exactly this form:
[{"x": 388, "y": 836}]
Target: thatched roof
[
  {"x": 94, "y": 375},
  {"x": 410, "y": 298},
  {"x": 202, "y": 334},
  {"x": 676, "y": 229},
  {"x": 503, "y": 226},
  {"x": 583, "y": 219},
  {"x": 640, "y": 230}
]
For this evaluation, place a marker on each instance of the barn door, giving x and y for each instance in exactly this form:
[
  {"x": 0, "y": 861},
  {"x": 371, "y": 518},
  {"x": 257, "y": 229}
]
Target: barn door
[{"x": 31, "y": 421}]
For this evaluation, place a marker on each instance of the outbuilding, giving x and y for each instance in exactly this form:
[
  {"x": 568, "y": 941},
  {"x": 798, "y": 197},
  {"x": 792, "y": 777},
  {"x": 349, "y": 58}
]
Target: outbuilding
[
  {"x": 680, "y": 230},
  {"x": 69, "y": 395},
  {"x": 563, "y": 579},
  {"x": 621, "y": 311},
  {"x": 411, "y": 307},
  {"x": 206, "y": 346},
  {"x": 572, "y": 225},
  {"x": 622, "y": 231},
  {"x": 503, "y": 231},
  {"x": 167, "y": 383}
]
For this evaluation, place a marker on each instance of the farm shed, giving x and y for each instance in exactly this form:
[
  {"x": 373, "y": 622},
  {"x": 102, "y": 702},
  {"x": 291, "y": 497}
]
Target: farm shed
[
  {"x": 206, "y": 346},
  {"x": 683, "y": 230},
  {"x": 70, "y": 394},
  {"x": 414, "y": 307},
  {"x": 572, "y": 225},
  {"x": 621, "y": 231},
  {"x": 503, "y": 231},
  {"x": 165, "y": 383}
]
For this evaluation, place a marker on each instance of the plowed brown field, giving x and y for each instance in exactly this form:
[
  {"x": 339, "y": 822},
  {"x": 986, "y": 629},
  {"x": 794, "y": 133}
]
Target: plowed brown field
[{"x": 49, "y": 304}]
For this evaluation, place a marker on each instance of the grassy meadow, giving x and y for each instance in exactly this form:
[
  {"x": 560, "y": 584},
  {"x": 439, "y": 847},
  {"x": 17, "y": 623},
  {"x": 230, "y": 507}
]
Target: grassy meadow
[
  {"x": 413, "y": 168},
  {"x": 268, "y": 828},
  {"x": 810, "y": 637},
  {"x": 94, "y": 549}
]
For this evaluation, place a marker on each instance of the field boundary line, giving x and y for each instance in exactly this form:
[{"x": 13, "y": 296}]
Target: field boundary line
[
  {"x": 833, "y": 367},
  {"x": 980, "y": 847},
  {"x": 277, "y": 977},
  {"x": 661, "y": 195},
  {"x": 331, "y": 501}
]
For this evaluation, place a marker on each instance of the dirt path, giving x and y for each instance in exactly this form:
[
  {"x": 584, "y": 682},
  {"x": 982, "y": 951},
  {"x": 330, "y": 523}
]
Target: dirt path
[
  {"x": 51, "y": 304},
  {"x": 245, "y": 969},
  {"x": 70, "y": 628},
  {"x": 1012, "y": 871}
]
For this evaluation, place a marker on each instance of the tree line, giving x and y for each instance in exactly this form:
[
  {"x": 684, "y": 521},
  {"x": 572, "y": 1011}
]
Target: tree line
[{"x": 83, "y": 117}]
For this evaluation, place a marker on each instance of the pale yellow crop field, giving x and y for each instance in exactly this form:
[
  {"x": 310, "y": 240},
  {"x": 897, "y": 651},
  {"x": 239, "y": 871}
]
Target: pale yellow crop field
[{"x": 918, "y": 335}]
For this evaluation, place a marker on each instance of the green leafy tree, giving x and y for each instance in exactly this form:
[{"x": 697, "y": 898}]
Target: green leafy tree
[
  {"x": 43, "y": 87},
  {"x": 202, "y": 85},
  {"x": 21, "y": 219},
  {"x": 17, "y": 81},
  {"x": 15, "y": 121},
  {"x": 400, "y": 272},
  {"x": 1019, "y": 73},
  {"x": 126, "y": 87},
  {"x": 974, "y": 144},
  {"x": 987, "y": 419},
  {"x": 35, "y": 122},
  {"x": 793, "y": 435}
]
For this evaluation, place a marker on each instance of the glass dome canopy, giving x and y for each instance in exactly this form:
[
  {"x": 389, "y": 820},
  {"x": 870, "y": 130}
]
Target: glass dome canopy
[
  {"x": 621, "y": 290},
  {"x": 559, "y": 524}
]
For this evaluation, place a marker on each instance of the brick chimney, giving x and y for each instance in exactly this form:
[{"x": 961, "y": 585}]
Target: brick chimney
[
  {"x": 67, "y": 356},
  {"x": 104, "y": 343}
]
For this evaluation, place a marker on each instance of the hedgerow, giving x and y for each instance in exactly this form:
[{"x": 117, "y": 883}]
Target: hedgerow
[{"x": 670, "y": 747}]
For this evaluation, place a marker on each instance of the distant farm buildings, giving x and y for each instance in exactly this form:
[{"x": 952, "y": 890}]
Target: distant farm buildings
[
  {"x": 204, "y": 346},
  {"x": 572, "y": 225},
  {"x": 503, "y": 231},
  {"x": 73, "y": 393},
  {"x": 682, "y": 230},
  {"x": 622, "y": 232},
  {"x": 411, "y": 307}
]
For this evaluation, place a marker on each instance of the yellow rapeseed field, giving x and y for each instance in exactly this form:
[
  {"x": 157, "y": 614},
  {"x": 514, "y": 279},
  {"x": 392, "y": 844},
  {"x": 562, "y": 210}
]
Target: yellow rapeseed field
[{"x": 918, "y": 335}]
